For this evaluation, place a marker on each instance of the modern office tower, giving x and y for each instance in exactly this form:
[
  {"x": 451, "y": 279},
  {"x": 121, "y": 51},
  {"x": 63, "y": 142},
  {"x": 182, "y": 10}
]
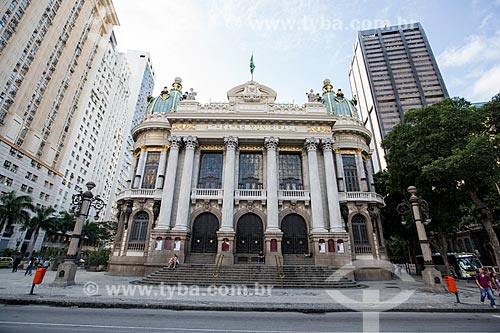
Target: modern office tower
[
  {"x": 142, "y": 82},
  {"x": 49, "y": 51},
  {"x": 393, "y": 70}
]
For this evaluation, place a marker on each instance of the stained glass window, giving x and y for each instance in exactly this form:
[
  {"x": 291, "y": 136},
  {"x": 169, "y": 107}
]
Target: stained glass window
[
  {"x": 210, "y": 171},
  {"x": 290, "y": 171},
  {"x": 151, "y": 170},
  {"x": 350, "y": 173},
  {"x": 250, "y": 171}
]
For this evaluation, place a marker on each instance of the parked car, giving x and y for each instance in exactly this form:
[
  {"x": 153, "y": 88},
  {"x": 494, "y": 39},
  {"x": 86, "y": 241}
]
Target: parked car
[{"x": 6, "y": 262}]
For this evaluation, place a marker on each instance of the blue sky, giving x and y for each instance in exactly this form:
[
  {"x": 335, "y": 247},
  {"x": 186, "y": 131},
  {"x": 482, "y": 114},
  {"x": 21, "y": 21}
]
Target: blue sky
[{"x": 297, "y": 44}]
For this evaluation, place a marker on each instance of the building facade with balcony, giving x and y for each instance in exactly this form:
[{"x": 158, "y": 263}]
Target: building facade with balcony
[{"x": 224, "y": 181}]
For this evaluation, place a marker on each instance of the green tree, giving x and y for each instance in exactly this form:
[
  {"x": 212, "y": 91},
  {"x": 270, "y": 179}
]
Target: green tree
[
  {"x": 449, "y": 151},
  {"x": 43, "y": 218},
  {"x": 14, "y": 209},
  {"x": 96, "y": 233}
]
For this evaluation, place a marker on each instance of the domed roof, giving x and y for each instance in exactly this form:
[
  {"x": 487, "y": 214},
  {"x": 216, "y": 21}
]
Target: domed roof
[
  {"x": 166, "y": 101},
  {"x": 336, "y": 104}
]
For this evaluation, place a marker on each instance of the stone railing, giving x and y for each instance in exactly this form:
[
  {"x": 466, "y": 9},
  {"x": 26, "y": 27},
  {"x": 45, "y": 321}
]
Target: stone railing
[
  {"x": 250, "y": 195},
  {"x": 294, "y": 196},
  {"x": 136, "y": 246},
  {"x": 361, "y": 196},
  {"x": 362, "y": 249},
  {"x": 207, "y": 194},
  {"x": 139, "y": 193}
]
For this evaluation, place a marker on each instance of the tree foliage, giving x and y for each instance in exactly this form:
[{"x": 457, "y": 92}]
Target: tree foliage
[
  {"x": 450, "y": 152},
  {"x": 14, "y": 209}
]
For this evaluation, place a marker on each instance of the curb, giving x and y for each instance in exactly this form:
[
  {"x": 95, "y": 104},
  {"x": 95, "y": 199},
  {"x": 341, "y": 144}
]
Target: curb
[{"x": 246, "y": 307}]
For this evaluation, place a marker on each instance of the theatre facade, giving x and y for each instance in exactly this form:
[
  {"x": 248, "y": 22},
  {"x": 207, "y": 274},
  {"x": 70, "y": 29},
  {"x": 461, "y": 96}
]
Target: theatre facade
[{"x": 221, "y": 182}]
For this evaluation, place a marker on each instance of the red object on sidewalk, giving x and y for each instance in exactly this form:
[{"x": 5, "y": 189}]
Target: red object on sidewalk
[
  {"x": 450, "y": 283},
  {"x": 40, "y": 273}
]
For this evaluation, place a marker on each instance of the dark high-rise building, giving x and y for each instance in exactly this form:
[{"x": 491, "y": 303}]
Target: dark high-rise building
[{"x": 393, "y": 70}]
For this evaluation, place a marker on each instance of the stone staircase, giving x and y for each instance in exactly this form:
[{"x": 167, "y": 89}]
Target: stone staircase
[
  {"x": 297, "y": 260},
  {"x": 295, "y": 276}
]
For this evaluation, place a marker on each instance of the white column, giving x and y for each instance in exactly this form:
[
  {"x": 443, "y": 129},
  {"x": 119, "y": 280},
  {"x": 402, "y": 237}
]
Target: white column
[
  {"x": 228, "y": 199},
  {"x": 161, "y": 168},
  {"x": 331, "y": 188},
  {"x": 272, "y": 185},
  {"x": 361, "y": 171},
  {"x": 140, "y": 168},
  {"x": 181, "y": 221},
  {"x": 167, "y": 196},
  {"x": 318, "y": 221},
  {"x": 132, "y": 172},
  {"x": 340, "y": 170},
  {"x": 370, "y": 175}
]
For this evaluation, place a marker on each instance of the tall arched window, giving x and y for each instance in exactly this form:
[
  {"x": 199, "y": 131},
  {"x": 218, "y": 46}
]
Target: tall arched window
[
  {"x": 360, "y": 235},
  {"x": 139, "y": 228}
]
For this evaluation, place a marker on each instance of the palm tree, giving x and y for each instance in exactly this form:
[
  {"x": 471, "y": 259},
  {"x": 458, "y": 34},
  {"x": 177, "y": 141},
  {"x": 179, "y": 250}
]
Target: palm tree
[
  {"x": 43, "y": 218},
  {"x": 14, "y": 209}
]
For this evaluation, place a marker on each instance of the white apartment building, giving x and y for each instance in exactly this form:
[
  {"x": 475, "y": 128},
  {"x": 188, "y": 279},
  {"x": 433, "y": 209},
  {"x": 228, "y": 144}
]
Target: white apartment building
[{"x": 49, "y": 52}]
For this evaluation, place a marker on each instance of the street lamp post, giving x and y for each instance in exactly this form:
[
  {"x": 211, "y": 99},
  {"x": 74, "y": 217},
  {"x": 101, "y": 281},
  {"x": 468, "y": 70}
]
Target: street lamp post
[
  {"x": 81, "y": 204},
  {"x": 418, "y": 207}
]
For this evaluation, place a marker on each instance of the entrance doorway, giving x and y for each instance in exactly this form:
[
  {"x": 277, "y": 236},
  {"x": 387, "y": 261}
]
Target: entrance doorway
[
  {"x": 294, "y": 235},
  {"x": 249, "y": 235},
  {"x": 204, "y": 239}
]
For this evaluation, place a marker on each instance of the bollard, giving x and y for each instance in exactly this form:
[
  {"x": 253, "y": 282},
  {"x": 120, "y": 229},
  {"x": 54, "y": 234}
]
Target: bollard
[
  {"x": 38, "y": 278},
  {"x": 452, "y": 287}
]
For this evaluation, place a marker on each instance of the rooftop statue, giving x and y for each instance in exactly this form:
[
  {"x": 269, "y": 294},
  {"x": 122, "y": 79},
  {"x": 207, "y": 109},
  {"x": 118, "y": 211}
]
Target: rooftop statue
[
  {"x": 167, "y": 100},
  {"x": 336, "y": 104},
  {"x": 312, "y": 97}
]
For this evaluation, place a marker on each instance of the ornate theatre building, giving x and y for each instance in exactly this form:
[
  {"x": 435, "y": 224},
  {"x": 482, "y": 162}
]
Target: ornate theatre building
[{"x": 224, "y": 181}]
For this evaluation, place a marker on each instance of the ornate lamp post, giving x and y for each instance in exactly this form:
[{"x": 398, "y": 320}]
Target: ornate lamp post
[
  {"x": 81, "y": 204},
  {"x": 419, "y": 208}
]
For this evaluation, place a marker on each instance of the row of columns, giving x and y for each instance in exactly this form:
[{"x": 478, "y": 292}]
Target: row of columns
[{"x": 271, "y": 143}]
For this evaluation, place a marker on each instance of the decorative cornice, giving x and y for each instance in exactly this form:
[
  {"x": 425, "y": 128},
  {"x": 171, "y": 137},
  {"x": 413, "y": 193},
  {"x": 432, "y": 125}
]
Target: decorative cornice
[
  {"x": 289, "y": 148},
  {"x": 211, "y": 147},
  {"x": 251, "y": 148},
  {"x": 319, "y": 129},
  {"x": 183, "y": 127}
]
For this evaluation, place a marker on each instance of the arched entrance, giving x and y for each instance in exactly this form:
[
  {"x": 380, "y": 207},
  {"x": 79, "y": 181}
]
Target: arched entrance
[
  {"x": 294, "y": 235},
  {"x": 249, "y": 235},
  {"x": 204, "y": 237}
]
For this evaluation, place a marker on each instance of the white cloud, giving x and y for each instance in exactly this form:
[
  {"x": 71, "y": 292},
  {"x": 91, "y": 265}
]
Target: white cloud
[
  {"x": 487, "y": 85},
  {"x": 477, "y": 49}
]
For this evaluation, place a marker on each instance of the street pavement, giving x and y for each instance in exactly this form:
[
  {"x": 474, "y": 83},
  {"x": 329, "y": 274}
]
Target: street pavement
[{"x": 405, "y": 293}]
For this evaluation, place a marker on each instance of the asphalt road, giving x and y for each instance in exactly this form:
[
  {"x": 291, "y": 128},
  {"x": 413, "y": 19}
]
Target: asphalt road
[{"x": 53, "y": 319}]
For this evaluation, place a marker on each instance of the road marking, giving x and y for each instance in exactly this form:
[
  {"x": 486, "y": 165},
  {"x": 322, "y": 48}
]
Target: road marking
[
  {"x": 175, "y": 329},
  {"x": 495, "y": 316}
]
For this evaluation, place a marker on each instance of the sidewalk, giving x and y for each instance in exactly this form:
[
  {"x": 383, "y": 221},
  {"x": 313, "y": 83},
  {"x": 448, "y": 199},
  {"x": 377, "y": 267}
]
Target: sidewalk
[{"x": 99, "y": 290}]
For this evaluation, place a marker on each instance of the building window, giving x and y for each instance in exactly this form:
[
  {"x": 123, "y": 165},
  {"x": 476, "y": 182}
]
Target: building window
[
  {"x": 9, "y": 181},
  {"x": 151, "y": 170},
  {"x": 139, "y": 229},
  {"x": 250, "y": 171},
  {"x": 30, "y": 189},
  {"x": 290, "y": 171},
  {"x": 360, "y": 234},
  {"x": 350, "y": 173},
  {"x": 210, "y": 171},
  {"x": 6, "y": 164}
]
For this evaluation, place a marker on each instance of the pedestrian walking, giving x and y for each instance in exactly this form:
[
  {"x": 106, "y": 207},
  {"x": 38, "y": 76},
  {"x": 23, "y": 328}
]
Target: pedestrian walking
[
  {"x": 16, "y": 262},
  {"x": 30, "y": 266},
  {"x": 483, "y": 281}
]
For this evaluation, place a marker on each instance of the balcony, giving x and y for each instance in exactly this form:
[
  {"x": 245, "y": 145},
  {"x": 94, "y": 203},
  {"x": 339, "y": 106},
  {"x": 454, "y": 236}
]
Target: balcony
[
  {"x": 294, "y": 196},
  {"x": 145, "y": 193},
  {"x": 207, "y": 194},
  {"x": 361, "y": 196},
  {"x": 250, "y": 195}
]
